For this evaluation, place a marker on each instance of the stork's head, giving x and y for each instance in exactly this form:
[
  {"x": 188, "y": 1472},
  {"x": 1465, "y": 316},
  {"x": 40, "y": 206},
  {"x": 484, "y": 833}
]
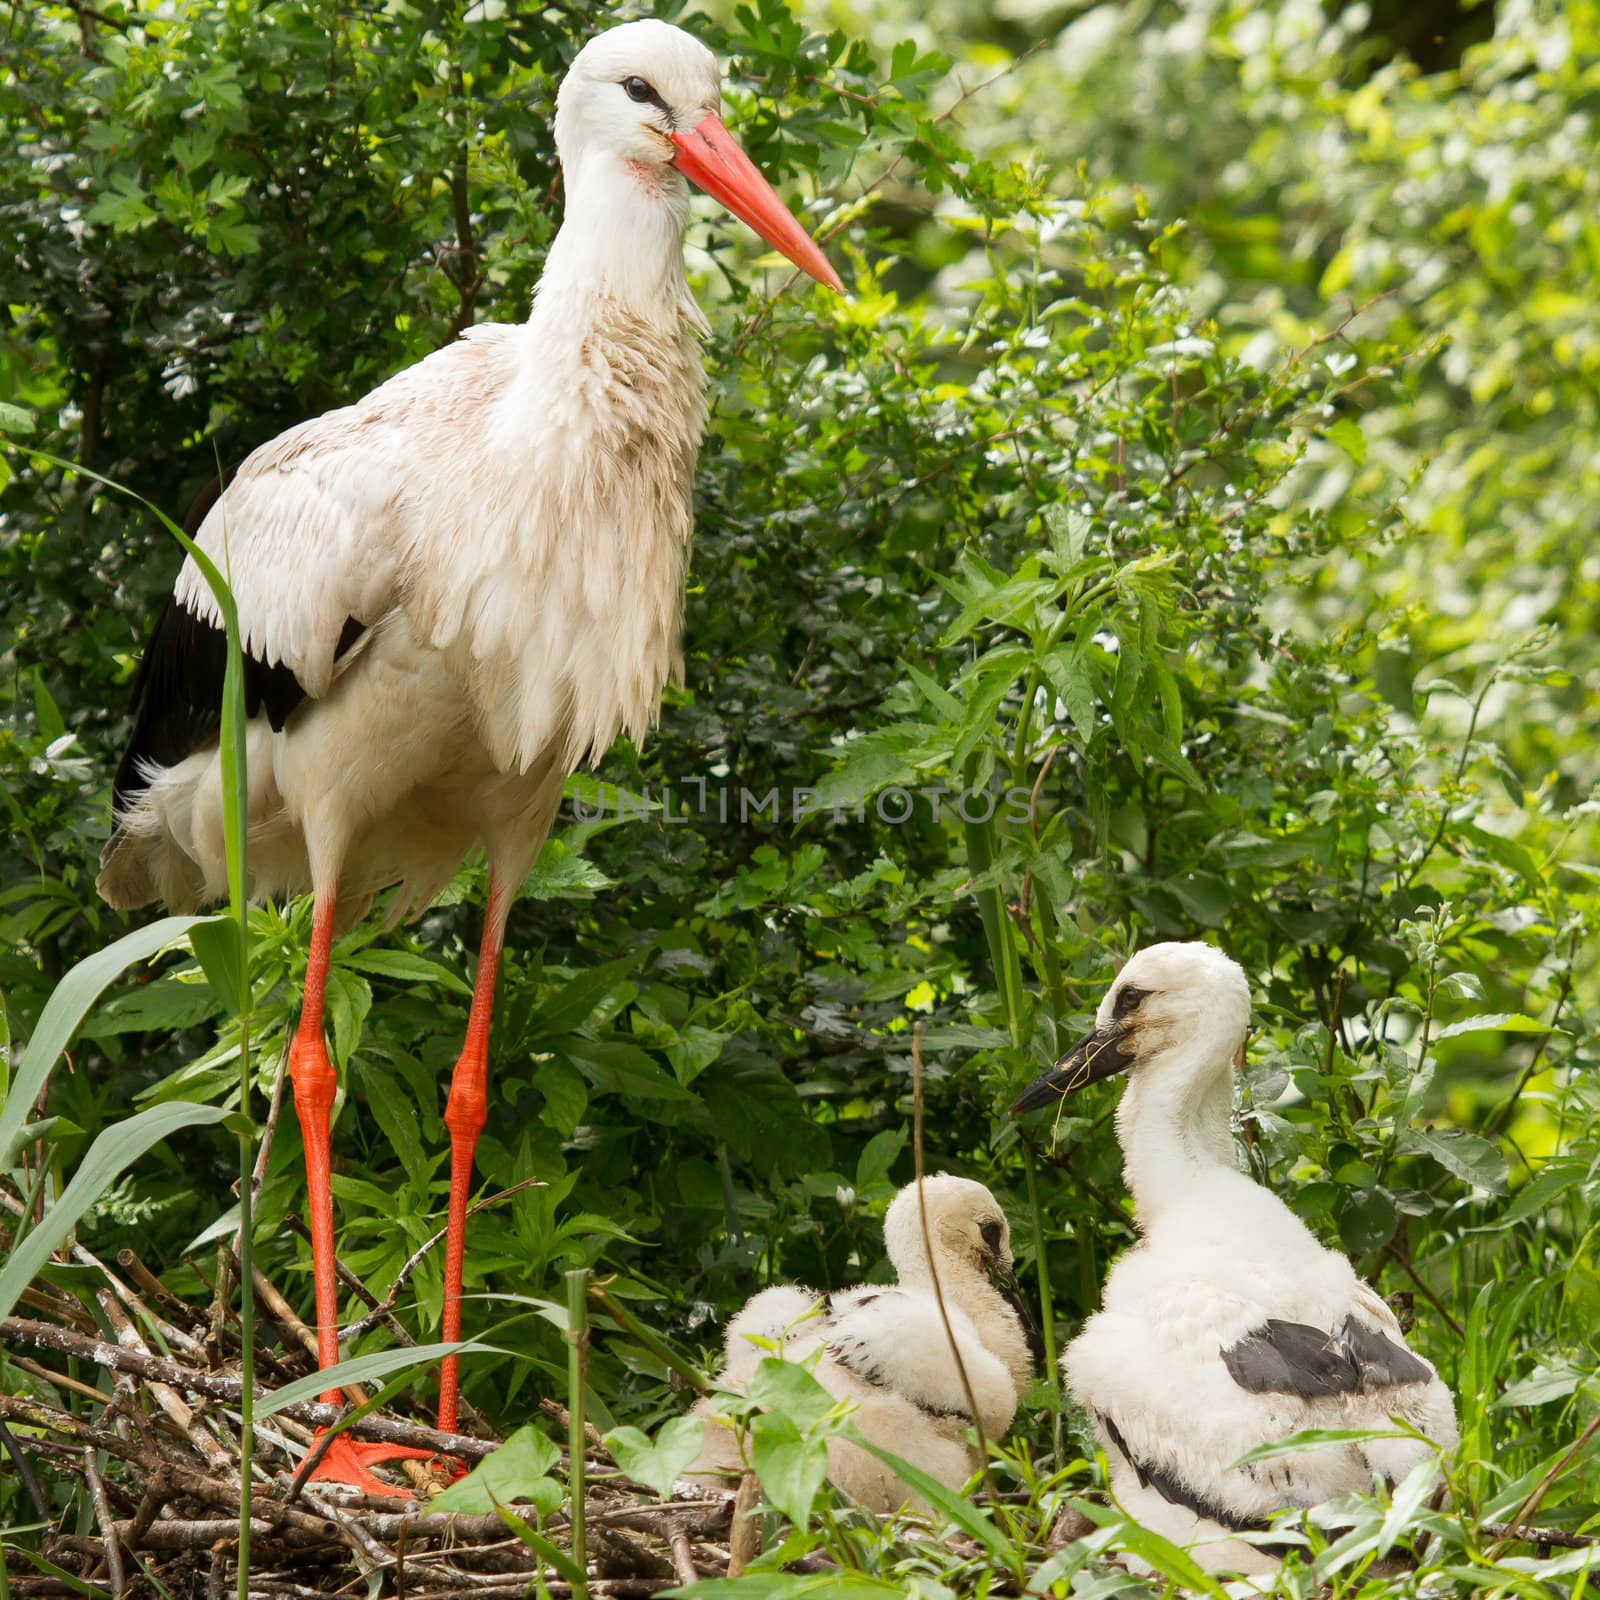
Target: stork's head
[
  {"x": 1171, "y": 1003},
  {"x": 644, "y": 97},
  {"x": 970, "y": 1237}
]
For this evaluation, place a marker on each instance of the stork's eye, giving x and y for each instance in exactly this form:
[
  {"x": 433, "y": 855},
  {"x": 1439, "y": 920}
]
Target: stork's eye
[
  {"x": 641, "y": 91},
  {"x": 1128, "y": 1000},
  {"x": 991, "y": 1231}
]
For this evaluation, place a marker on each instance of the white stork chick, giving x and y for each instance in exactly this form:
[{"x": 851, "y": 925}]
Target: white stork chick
[
  {"x": 453, "y": 592},
  {"x": 887, "y": 1349},
  {"x": 1228, "y": 1326}
]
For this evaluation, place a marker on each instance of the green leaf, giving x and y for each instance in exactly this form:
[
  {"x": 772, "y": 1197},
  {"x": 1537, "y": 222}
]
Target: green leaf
[
  {"x": 216, "y": 947},
  {"x": 844, "y": 1585},
  {"x": 1553, "y": 1380},
  {"x": 957, "y": 1508},
  {"x": 1316, "y": 1439},
  {"x": 1492, "y": 1021},
  {"x": 1367, "y": 1221},
  {"x": 118, "y": 1147},
  {"x": 1073, "y": 680},
  {"x": 396, "y": 1110},
  {"x": 791, "y": 1390},
  {"x": 660, "y": 1464},
  {"x": 69, "y": 1001},
  {"x": 16, "y": 419},
  {"x": 518, "y": 1470},
  {"x": 1463, "y": 1155},
  {"x": 1347, "y": 435},
  {"x": 406, "y": 966},
  {"x": 349, "y": 1002},
  {"x": 883, "y": 1149},
  {"x": 363, "y": 1369},
  {"x": 566, "y": 1096},
  {"x": 791, "y": 1467},
  {"x": 571, "y": 1006},
  {"x": 693, "y": 1051}
]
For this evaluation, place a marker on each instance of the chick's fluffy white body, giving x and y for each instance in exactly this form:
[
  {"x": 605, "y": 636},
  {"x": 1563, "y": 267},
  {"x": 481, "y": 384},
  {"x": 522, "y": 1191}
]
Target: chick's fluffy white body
[{"x": 886, "y": 1350}]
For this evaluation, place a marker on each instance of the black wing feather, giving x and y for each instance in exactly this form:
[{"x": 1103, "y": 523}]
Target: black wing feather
[
  {"x": 177, "y": 691},
  {"x": 1383, "y": 1363},
  {"x": 1177, "y": 1493},
  {"x": 1295, "y": 1358}
]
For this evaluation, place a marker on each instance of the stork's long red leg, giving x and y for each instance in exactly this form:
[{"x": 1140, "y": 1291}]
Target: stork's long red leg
[
  {"x": 464, "y": 1114},
  {"x": 315, "y": 1085}
]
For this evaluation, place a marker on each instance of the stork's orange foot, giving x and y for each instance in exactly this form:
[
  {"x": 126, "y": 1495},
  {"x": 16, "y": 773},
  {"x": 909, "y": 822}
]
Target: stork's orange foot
[{"x": 347, "y": 1461}]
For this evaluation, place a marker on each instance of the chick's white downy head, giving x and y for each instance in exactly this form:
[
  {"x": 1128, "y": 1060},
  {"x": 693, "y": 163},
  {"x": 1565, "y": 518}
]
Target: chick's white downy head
[
  {"x": 629, "y": 90},
  {"x": 1177, "y": 994},
  {"x": 1179, "y": 1006},
  {"x": 965, "y": 1224}
]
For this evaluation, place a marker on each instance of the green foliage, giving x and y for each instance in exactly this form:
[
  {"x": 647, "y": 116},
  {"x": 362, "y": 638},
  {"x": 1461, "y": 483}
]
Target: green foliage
[{"x": 1188, "y": 543}]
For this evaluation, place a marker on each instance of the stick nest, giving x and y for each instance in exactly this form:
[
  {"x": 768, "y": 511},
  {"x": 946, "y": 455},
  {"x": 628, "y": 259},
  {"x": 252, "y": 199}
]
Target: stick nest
[{"x": 148, "y": 1421}]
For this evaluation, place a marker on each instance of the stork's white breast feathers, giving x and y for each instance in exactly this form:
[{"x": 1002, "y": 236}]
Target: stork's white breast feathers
[{"x": 520, "y": 465}]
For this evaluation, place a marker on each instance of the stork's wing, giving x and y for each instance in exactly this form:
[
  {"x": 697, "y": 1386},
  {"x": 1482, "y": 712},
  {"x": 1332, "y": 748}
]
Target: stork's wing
[
  {"x": 303, "y": 536},
  {"x": 307, "y": 534},
  {"x": 1295, "y": 1358}
]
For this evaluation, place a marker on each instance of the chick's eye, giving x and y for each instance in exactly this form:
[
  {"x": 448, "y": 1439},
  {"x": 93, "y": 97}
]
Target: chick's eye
[
  {"x": 1128, "y": 1001},
  {"x": 991, "y": 1235},
  {"x": 638, "y": 89}
]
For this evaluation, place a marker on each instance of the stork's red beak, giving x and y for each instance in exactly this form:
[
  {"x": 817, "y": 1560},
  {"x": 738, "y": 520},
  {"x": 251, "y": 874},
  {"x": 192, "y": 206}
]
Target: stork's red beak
[{"x": 710, "y": 156}]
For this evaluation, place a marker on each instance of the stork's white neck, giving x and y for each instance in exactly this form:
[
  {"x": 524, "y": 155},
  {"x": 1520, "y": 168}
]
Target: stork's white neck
[
  {"x": 621, "y": 240},
  {"x": 1174, "y": 1125}
]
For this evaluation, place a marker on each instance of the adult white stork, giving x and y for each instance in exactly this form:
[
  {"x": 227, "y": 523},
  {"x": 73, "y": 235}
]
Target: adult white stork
[
  {"x": 1228, "y": 1326},
  {"x": 887, "y": 1347},
  {"x": 453, "y": 592}
]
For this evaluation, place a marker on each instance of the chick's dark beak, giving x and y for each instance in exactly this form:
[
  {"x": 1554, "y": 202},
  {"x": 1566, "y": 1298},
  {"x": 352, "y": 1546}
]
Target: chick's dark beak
[
  {"x": 1098, "y": 1055},
  {"x": 1004, "y": 1279}
]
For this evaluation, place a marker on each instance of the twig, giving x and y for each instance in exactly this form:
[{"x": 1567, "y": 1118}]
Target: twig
[
  {"x": 1428, "y": 1294},
  {"x": 1542, "y": 1487},
  {"x": 387, "y": 1304},
  {"x": 683, "y": 1559},
  {"x": 157, "y": 1491},
  {"x": 744, "y": 1540},
  {"x": 309, "y": 1464},
  {"x": 215, "y": 1454},
  {"x": 25, "y": 1473},
  {"x": 154, "y": 1289},
  {"x": 927, "y": 1246},
  {"x": 1562, "y": 1538},
  {"x": 1502, "y": 1112},
  {"x": 102, "y": 1514},
  {"x": 559, "y": 1413},
  {"x": 296, "y": 1224},
  {"x": 220, "y": 1386}
]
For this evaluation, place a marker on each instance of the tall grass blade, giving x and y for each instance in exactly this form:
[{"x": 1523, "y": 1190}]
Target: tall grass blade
[
  {"x": 68, "y": 1005},
  {"x": 116, "y": 1148},
  {"x": 577, "y": 1374},
  {"x": 363, "y": 1369},
  {"x": 231, "y": 742}
]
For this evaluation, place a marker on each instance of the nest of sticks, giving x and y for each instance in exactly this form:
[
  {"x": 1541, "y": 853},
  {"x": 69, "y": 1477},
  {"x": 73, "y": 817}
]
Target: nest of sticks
[{"x": 148, "y": 1420}]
